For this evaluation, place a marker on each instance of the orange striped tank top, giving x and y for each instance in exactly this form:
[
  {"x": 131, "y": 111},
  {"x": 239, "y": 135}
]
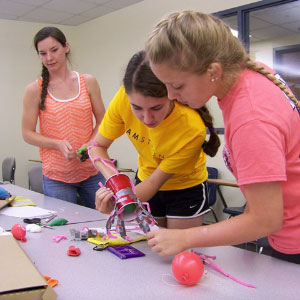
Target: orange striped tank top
[{"x": 71, "y": 120}]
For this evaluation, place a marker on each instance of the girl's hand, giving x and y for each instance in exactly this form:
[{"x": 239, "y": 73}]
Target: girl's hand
[
  {"x": 82, "y": 153},
  {"x": 104, "y": 200},
  {"x": 85, "y": 145},
  {"x": 66, "y": 149},
  {"x": 167, "y": 241}
]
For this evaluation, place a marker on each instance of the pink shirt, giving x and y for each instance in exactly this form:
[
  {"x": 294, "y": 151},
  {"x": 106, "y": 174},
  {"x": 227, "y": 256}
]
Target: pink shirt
[
  {"x": 70, "y": 120},
  {"x": 262, "y": 136}
]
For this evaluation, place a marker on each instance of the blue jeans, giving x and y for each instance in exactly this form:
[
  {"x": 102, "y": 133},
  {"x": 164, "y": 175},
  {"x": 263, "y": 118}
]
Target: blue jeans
[{"x": 86, "y": 189}]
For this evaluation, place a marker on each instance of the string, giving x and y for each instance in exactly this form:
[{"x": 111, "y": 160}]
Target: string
[{"x": 179, "y": 284}]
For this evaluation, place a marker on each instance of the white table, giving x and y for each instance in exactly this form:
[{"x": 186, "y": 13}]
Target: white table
[{"x": 96, "y": 275}]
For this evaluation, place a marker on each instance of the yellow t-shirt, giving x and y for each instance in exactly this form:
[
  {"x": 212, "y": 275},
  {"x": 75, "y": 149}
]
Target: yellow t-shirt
[{"x": 175, "y": 145}]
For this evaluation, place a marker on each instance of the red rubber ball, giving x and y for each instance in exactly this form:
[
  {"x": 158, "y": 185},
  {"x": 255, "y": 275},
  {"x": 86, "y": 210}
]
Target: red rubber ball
[
  {"x": 18, "y": 231},
  {"x": 187, "y": 268}
]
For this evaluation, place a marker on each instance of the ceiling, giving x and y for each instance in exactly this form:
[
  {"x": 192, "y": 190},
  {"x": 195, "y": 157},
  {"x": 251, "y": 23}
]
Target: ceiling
[
  {"x": 272, "y": 22},
  {"x": 264, "y": 24},
  {"x": 63, "y": 12}
]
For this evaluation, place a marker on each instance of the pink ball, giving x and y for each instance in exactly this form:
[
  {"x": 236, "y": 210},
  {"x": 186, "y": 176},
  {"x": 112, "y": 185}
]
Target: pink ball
[
  {"x": 187, "y": 268},
  {"x": 18, "y": 231}
]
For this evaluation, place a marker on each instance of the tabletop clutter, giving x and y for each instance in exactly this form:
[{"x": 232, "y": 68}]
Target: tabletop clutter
[{"x": 187, "y": 266}]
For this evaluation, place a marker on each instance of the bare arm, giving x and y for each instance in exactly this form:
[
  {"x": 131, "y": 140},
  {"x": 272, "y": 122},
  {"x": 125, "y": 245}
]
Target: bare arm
[
  {"x": 30, "y": 116},
  {"x": 96, "y": 100},
  {"x": 102, "y": 152},
  {"x": 149, "y": 187},
  {"x": 103, "y": 200},
  {"x": 263, "y": 216},
  {"x": 145, "y": 190}
]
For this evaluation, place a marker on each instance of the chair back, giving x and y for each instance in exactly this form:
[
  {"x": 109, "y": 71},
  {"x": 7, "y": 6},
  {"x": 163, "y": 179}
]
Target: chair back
[
  {"x": 234, "y": 211},
  {"x": 35, "y": 177},
  {"x": 212, "y": 187},
  {"x": 8, "y": 169}
]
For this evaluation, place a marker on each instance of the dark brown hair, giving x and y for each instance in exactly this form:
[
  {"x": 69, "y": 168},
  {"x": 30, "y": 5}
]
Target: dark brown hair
[
  {"x": 41, "y": 35},
  {"x": 140, "y": 78}
]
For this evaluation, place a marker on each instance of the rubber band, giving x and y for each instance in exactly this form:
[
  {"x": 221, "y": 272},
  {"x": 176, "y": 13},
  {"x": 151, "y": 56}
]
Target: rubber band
[
  {"x": 58, "y": 238},
  {"x": 101, "y": 184},
  {"x": 103, "y": 160},
  {"x": 111, "y": 236},
  {"x": 148, "y": 206},
  {"x": 119, "y": 212},
  {"x": 127, "y": 238}
]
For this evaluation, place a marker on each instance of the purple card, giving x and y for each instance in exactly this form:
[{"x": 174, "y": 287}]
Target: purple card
[{"x": 125, "y": 251}]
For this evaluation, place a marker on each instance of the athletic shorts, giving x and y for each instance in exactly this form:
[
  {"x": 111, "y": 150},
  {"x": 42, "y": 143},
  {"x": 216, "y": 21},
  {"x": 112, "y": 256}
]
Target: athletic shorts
[
  {"x": 294, "y": 258},
  {"x": 180, "y": 204}
]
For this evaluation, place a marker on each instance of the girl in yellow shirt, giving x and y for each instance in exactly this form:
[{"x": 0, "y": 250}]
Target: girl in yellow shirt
[{"x": 172, "y": 170}]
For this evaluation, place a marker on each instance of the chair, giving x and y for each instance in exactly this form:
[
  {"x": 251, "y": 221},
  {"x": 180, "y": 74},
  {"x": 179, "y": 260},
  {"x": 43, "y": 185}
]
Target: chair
[
  {"x": 234, "y": 210},
  {"x": 212, "y": 190},
  {"x": 8, "y": 169},
  {"x": 35, "y": 178}
]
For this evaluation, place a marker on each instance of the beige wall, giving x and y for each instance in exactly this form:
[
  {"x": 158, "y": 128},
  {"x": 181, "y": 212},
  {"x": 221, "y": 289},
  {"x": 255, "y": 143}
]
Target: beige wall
[
  {"x": 19, "y": 66},
  {"x": 263, "y": 51},
  {"x": 107, "y": 43},
  {"x": 101, "y": 47}
]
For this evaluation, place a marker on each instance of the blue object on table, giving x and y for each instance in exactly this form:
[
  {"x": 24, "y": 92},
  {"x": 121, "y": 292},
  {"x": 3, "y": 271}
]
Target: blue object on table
[{"x": 4, "y": 193}]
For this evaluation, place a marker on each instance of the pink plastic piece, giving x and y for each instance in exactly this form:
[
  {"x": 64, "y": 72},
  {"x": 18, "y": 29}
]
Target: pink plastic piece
[
  {"x": 208, "y": 261},
  {"x": 107, "y": 162},
  {"x": 59, "y": 238}
]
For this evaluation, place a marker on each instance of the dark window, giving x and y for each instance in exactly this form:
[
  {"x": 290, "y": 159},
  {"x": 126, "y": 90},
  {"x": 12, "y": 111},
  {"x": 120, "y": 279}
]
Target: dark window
[{"x": 270, "y": 32}]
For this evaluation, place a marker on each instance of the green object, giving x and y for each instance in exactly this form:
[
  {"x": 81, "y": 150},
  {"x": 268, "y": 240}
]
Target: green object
[
  {"x": 79, "y": 152},
  {"x": 58, "y": 222},
  {"x": 129, "y": 208}
]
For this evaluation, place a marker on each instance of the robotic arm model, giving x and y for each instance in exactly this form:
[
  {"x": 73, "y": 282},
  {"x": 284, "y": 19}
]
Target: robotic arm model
[{"x": 127, "y": 206}]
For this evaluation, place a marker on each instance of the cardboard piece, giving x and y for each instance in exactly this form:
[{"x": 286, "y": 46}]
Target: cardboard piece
[{"x": 19, "y": 279}]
